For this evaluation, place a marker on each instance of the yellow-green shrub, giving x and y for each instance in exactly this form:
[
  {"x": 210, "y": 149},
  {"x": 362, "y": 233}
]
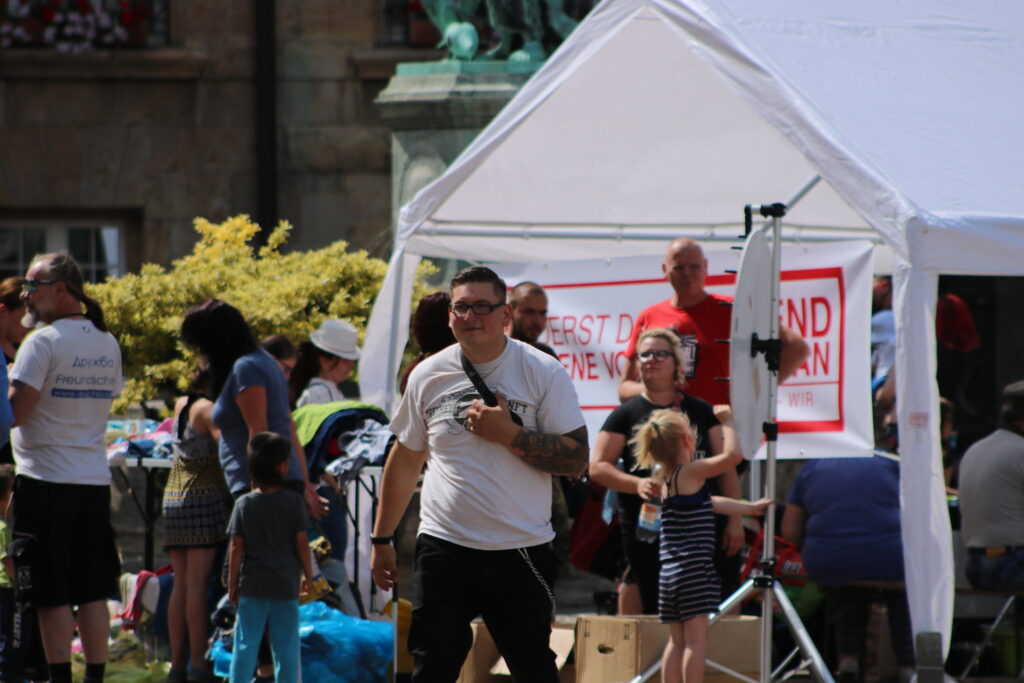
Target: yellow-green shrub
[{"x": 278, "y": 293}]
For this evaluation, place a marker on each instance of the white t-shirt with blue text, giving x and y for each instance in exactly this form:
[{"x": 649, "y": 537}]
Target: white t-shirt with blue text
[{"x": 77, "y": 371}]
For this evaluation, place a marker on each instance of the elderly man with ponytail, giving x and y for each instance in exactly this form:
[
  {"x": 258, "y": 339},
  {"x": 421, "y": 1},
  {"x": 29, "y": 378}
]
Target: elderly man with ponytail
[{"x": 64, "y": 379}]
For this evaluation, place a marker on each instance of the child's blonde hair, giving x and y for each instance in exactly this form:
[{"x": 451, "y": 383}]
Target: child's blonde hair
[{"x": 659, "y": 438}]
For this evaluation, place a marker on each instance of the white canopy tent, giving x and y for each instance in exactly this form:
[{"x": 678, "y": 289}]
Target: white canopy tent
[{"x": 661, "y": 118}]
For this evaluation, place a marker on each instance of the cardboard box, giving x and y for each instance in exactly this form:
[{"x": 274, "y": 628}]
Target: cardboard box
[
  {"x": 735, "y": 642},
  {"x": 482, "y": 656},
  {"x": 485, "y": 665},
  {"x": 615, "y": 649}
]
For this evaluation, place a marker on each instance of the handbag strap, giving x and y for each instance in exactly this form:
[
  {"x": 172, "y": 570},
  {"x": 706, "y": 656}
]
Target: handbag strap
[
  {"x": 486, "y": 394},
  {"x": 179, "y": 428}
]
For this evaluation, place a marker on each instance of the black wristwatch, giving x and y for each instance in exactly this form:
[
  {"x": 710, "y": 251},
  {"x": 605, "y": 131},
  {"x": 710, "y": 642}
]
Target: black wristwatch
[{"x": 382, "y": 540}]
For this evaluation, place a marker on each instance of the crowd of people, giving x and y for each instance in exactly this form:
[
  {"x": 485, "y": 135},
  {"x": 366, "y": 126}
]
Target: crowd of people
[
  {"x": 451, "y": 421},
  {"x": 235, "y": 448},
  {"x": 490, "y": 420},
  {"x": 490, "y": 417}
]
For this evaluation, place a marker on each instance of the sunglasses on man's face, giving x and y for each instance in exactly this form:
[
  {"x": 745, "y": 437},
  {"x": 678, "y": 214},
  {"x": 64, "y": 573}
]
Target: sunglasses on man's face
[
  {"x": 648, "y": 356},
  {"x": 29, "y": 286}
]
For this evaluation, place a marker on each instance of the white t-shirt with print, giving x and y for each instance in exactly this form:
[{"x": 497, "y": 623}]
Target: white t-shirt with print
[
  {"x": 77, "y": 371},
  {"x": 477, "y": 493}
]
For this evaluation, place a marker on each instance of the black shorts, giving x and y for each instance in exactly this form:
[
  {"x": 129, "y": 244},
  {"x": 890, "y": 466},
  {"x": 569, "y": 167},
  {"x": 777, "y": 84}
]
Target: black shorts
[{"x": 64, "y": 549}]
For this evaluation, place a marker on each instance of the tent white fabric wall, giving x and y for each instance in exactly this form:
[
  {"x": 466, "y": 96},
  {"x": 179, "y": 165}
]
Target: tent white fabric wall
[{"x": 658, "y": 118}]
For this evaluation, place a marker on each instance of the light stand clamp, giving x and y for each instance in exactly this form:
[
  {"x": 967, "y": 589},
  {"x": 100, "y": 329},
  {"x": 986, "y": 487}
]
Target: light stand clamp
[
  {"x": 771, "y": 348},
  {"x": 776, "y": 210}
]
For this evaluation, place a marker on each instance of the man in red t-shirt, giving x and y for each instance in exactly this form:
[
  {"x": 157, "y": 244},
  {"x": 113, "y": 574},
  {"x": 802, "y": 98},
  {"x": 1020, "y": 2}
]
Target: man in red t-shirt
[{"x": 700, "y": 319}]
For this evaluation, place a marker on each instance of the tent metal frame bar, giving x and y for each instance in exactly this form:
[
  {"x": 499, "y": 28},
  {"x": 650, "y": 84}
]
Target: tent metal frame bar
[{"x": 621, "y": 235}]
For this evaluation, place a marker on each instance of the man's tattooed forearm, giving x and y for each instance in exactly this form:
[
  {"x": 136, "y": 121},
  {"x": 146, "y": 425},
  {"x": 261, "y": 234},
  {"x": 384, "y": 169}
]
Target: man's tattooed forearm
[{"x": 554, "y": 453}]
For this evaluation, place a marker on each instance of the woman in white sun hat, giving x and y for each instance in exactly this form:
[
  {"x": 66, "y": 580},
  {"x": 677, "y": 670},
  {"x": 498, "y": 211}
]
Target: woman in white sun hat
[{"x": 327, "y": 359}]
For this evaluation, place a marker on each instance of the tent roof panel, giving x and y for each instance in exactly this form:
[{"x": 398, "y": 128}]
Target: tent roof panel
[
  {"x": 642, "y": 132},
  {"x": 907, "y": 87}
]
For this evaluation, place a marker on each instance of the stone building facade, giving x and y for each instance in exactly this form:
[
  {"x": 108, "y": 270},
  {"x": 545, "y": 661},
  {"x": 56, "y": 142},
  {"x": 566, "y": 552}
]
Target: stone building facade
[{"x": 112, "y": 153}]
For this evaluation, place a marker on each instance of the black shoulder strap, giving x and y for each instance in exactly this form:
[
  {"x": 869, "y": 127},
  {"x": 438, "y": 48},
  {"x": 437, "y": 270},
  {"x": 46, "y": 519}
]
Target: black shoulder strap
[
  {"x": 486, "y": 394},
  {"x": 673, "y": 484},
  {"x": 183, "y": 416}
]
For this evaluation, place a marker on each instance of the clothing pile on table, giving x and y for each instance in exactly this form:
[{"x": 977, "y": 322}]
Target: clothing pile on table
[
  {"x": 342, "y": 437},
  {"x": 128, "y": 439}
]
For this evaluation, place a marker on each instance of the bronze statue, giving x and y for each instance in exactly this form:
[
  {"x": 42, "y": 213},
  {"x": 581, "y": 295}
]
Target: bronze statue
[{"x": 542, "y": 24}]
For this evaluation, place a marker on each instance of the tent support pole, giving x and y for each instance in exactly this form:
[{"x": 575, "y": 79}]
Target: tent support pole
[
  {"x": 391, "y": 377},
  {"x": 808, "y": 186}
]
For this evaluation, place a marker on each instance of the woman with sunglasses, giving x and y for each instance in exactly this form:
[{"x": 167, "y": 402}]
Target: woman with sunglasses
[
  {"x": 661, "y": 373},
  {"x": 12, "y": 310},
  {"x": 12, "y": 332}
]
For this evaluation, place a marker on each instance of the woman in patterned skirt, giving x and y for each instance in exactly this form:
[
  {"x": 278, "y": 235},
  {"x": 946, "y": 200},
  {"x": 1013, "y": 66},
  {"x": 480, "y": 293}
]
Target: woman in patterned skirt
[{"x": 196, "y": 509}]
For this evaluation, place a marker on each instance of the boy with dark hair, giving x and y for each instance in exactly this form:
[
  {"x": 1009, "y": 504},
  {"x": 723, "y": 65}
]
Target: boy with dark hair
[{"x": 269, "y": 549}]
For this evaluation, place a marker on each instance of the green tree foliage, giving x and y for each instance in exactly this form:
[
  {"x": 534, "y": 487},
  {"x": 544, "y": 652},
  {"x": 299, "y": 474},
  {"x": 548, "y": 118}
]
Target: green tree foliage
[{"x": 278, "y": 293}]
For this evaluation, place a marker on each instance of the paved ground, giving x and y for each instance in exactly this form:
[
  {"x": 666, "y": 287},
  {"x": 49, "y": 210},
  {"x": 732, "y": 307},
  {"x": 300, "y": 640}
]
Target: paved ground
[{"x": 575, "y": 589}]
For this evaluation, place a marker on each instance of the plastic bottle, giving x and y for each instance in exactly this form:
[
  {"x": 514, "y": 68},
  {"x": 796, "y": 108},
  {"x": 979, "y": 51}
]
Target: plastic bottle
[{"x": 648, "y": 525}]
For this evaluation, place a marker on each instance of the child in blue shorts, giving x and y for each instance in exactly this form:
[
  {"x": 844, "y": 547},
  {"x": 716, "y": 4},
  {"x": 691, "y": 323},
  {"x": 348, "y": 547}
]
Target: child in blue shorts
[{"x": 269, "y": 553}]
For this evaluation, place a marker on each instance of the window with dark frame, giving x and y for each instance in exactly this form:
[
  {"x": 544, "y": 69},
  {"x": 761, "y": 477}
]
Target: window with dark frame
[
  {"x": 394, "y": 23},
  {"x": 98, "y": 247}
]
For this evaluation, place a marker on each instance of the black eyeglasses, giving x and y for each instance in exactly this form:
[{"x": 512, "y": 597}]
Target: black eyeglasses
[
  {"x": 29, "y": 286},
  {"x": 462, "y": 310},
  {"x": 659, "y": 355}
]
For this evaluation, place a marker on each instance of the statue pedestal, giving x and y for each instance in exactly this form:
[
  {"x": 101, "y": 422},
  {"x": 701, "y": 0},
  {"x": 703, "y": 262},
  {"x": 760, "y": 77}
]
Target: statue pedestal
[{"x": 435, "y": 109}]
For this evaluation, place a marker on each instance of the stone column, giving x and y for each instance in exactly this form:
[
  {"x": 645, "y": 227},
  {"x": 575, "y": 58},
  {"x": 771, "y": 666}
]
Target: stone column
[{"x": 435, "y": 109}]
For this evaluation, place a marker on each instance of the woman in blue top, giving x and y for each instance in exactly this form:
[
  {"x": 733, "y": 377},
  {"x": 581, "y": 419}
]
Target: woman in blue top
[{"x": 251, "y": 396}]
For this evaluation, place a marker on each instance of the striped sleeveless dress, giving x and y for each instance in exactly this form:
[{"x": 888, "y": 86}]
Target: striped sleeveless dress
[{"x": 688, "y": 585}]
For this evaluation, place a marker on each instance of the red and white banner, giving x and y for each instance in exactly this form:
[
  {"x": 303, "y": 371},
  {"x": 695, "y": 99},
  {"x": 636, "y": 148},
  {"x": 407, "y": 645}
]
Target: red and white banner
[{"x": 824, "y": 410}]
